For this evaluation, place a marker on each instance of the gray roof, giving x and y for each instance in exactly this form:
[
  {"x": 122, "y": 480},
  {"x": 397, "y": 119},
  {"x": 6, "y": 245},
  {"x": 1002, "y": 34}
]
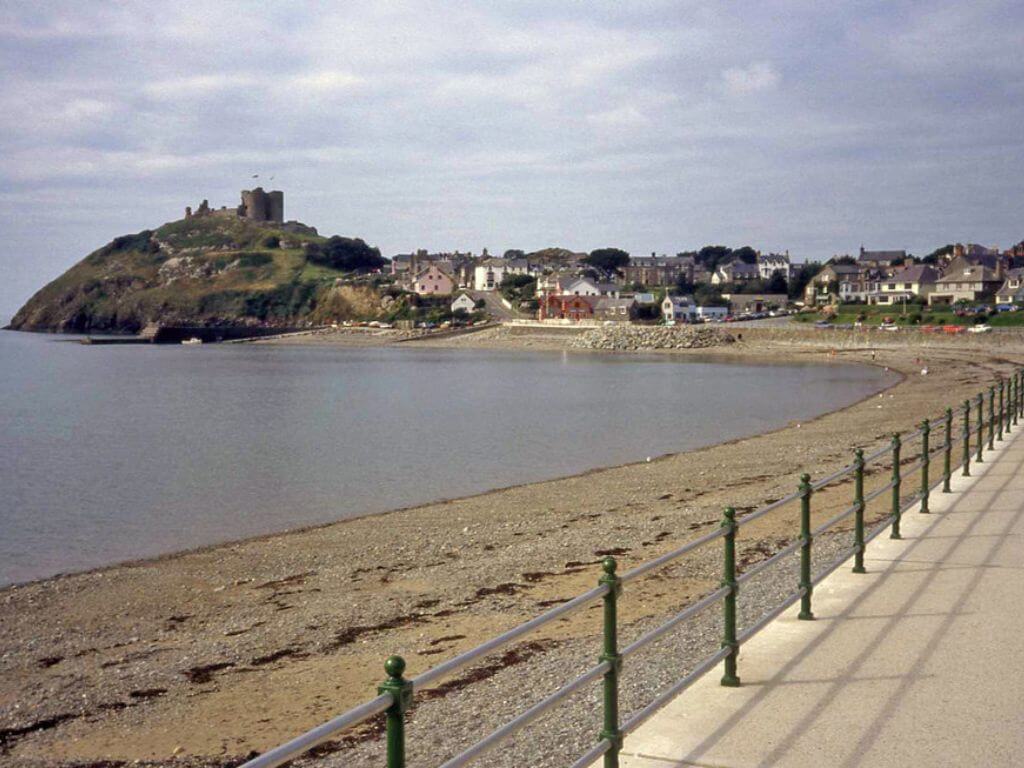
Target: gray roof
[
  {"x": 607, "y": 302},
  {"x": 660, "y": 261},
  {"x": 844, "y": 269},
  {"x": 741, "y": 267},
  {"x": 889, "y": 256},
  {"x": 918, "y": 273},
  {"x": 973, "y": 273}
]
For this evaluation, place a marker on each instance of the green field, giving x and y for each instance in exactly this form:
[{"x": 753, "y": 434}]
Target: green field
[{"x": 912, "y": 314}]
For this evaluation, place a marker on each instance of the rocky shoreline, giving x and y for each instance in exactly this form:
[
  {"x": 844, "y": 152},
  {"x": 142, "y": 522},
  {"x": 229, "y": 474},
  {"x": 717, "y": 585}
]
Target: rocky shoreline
[
  {"x": 205, "y": 657},
  {"x": 633, "y": 338}
]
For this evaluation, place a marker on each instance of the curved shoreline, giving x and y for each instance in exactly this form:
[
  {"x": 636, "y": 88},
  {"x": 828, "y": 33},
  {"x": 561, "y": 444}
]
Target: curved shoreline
[
  {"x": 704, "y": 355},
  {"x": 308, "y": 615}
]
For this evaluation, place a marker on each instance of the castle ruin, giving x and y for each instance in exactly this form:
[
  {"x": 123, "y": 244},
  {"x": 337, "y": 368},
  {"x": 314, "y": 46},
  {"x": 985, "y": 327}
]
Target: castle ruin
[{"x": 256, "y": 205}]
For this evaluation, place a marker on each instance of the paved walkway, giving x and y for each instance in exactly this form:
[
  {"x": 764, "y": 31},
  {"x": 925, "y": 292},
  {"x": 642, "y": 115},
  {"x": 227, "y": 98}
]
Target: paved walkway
[{"x": 918, "y": 663}]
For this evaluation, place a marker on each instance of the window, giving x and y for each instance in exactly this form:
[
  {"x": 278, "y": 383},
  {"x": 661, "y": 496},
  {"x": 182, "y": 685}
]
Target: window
[{"x": 908, "y": 286}]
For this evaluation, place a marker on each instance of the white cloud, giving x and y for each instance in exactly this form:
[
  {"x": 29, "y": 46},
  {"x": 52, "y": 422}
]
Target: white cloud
[
  {"x": 197, "y": 85},
  {"x": 759, "y": 76},
  {"x": 525, "y": 123}
]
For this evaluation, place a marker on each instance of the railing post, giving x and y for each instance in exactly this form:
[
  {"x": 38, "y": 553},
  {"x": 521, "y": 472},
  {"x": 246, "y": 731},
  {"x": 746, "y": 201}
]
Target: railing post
[
  {"x": 730, "y": 679},
  {"x": 967, "y": 439},
  {"x": 1008, "y": 412},
  {"x": 896, "y": 482},
  {"x": 981, "y": 428},
  {"x": 858, "y": 507},
  {"x": 1002, "y": 410},
  {"x": 401, "y": 690},
  {"x": 947, "y": 465},
  {"x": 926, "y": 429},
  {"x": 610, "y": 653},
  {"x": 806, "y": 613},
  {"x": 1020, "y": 396},
  {"x": 992, "y": 418}
]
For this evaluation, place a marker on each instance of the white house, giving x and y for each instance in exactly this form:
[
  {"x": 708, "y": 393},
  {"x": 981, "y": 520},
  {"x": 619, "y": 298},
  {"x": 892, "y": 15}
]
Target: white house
[
  {"x": 488, "y": 274},
  {"x": 905, "y": 284},
  {"x": 770, "y": 263},
  {"x": 735, "y": 272},
  {"x": 678, "y": 309},
  {"x": 463, "y": 301},
  {"x": 712, "y": 313}
]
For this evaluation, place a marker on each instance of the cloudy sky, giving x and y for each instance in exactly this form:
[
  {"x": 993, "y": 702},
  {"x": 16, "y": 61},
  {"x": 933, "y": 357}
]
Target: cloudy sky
[{"x": 654, "y": 126}]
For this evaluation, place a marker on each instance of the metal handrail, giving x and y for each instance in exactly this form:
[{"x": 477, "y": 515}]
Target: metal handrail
[
  {"x": 755, "y": 569},
  {"x": 393, "y": 700},
  {"x": 679, "y": 618},
  {"x": 527, "y": 717},
  {"x": 668, "y": 557},
  {"x": 446, "y": 668},
  {"x": 674, "y": 690},
  {"x": 767, "y": 619},
  {"x": 311, "y": 738}
]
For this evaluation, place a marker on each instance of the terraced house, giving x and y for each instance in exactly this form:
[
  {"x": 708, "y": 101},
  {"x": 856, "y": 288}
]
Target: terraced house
[
  {"x": 964, "y": 281},
  {"x": 904, "y": 285}
]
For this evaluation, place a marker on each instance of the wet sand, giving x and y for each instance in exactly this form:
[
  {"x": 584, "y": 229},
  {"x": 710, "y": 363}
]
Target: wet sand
[{"x": 209, "y": 655}]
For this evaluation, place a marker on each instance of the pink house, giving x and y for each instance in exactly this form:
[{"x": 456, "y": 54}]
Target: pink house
[{"x": 432, "y": 280}]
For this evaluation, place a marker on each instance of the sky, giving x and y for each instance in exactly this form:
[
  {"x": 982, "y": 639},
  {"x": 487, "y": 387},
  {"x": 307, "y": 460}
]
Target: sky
[{"x": 652, "y": 126}]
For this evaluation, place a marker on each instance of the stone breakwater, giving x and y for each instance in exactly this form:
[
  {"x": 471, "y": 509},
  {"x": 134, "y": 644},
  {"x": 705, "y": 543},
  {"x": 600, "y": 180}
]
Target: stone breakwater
[{"x": 631, "y": 337}]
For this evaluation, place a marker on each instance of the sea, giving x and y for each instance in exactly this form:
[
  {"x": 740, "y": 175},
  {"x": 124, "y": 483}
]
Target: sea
[{"x": 114, "y": 453}]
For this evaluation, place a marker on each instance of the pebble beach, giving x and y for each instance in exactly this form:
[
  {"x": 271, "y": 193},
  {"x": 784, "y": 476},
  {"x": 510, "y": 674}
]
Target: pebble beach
[{"x": 206, "y": 657}]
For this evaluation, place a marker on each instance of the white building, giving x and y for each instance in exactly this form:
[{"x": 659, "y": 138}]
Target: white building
[
  {"x": 488, "y": 275},
  {"x": 770, "y": 263},
  {"x": 463, "y": 301},
  {"x": 678, "y": 309},
  {"x": 712, "y": 313}
]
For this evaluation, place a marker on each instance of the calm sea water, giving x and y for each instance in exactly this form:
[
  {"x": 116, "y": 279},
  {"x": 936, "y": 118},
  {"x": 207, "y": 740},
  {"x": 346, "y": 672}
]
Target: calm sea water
[{"x": 114, "y": 453}]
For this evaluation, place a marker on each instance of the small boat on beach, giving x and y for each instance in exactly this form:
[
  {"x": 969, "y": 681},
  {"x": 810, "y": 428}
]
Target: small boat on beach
[{"x": 192, "y": 340}]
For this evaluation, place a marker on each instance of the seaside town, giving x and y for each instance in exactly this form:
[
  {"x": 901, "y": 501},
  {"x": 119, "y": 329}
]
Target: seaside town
[{"x": 718, "y": 284}]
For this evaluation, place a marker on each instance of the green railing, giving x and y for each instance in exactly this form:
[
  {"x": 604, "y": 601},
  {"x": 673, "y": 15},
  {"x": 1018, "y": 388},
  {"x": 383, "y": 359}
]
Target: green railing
[{"x": 396, "y": 694}]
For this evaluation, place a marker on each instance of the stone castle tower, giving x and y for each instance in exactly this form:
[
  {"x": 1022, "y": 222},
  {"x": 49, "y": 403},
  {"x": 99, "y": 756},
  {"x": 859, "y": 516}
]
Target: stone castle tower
[{"x": 258, "y": 205}]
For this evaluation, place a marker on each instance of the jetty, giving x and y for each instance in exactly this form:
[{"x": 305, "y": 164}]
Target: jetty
[{"x": 175, "y": 334}]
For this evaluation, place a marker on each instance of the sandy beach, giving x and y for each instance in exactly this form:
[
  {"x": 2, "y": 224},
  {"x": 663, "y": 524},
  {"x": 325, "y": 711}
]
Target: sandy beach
[{"x": 207, "y": 656}]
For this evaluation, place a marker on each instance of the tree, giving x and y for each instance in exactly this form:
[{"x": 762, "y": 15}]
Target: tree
[
  {"x": 346, "y": 254},
  {"x": 607, "y": 259},
  {"x": 711, "y": 255},
  {"x": 803, "y": 276},
  {"x": 708, "y": 295},
  {"x": 746, "y": 254},
  {"x": 938, "y": 253},
  {"x": 514, "y": 253},
  {"x": 777, "y": 283},
  {"x": 517, "y": 288},
  {"x": 843, "y": 260}
]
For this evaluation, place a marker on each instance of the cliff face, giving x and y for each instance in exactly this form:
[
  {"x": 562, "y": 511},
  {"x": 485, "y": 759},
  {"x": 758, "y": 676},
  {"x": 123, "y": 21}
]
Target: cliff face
[{"x": 210, "y": 270}]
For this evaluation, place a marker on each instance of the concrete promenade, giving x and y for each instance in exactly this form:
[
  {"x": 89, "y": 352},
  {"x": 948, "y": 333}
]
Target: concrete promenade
[{"x": 918, "y": 663}]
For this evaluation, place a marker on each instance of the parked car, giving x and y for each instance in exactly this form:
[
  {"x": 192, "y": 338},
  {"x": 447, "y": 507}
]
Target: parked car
[{"x": 980, "y": 328}]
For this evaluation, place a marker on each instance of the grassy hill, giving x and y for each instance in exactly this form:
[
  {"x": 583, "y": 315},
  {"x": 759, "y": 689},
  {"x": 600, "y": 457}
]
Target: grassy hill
[{"x": 210, "y": 270}]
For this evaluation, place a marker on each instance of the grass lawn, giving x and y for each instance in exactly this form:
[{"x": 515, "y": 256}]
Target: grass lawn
[{"x": 913, "y": 314}]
